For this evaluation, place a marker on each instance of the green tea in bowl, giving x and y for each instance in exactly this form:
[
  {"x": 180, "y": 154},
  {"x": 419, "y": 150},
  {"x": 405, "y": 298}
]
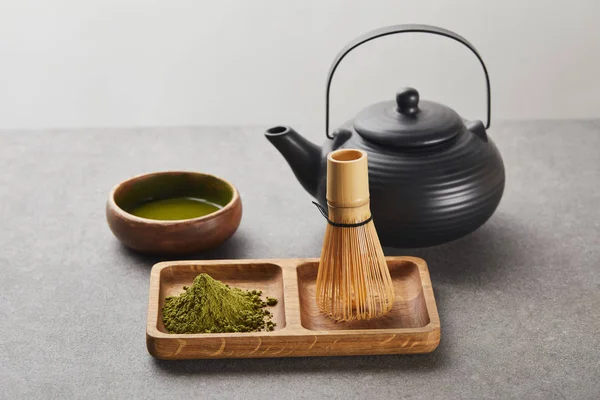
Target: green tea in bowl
[
  {"x": 175, "y": 208},
  {"x": 174, "y": 212}
]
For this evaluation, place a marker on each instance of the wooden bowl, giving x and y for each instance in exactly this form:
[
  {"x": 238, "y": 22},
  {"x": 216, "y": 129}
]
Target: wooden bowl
[{"x": 173, "y": 236}]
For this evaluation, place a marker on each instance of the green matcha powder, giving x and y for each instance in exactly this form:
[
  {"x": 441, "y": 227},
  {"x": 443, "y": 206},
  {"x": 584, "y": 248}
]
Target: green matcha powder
[{"x": 210, "y": 306}]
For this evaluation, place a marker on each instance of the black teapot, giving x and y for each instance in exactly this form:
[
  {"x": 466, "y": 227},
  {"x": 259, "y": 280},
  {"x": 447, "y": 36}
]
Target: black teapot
[{"x": 433, "y": 176}]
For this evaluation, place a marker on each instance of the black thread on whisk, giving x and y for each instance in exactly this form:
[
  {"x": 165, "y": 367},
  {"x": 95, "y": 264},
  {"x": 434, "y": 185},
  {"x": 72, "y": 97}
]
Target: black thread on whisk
[{"x": 325, "y": 215}]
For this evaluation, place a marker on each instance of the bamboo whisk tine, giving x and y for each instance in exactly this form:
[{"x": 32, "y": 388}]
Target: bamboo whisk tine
[{"x": 353, "y": 281}]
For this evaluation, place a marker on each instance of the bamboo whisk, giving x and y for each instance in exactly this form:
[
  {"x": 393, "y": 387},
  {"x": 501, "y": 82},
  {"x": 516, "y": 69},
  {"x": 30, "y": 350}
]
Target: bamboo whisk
[{"x": 353, "y": 281}]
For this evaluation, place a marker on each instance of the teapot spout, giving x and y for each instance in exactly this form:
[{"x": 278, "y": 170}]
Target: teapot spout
[{"x": 303, "y": 156}]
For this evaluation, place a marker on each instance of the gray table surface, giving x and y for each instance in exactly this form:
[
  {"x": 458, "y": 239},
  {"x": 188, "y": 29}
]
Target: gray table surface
[{"x": 519, "y": 299}]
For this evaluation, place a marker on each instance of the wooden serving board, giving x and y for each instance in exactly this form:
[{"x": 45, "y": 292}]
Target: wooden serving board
[{"x": 413, "y": 325}]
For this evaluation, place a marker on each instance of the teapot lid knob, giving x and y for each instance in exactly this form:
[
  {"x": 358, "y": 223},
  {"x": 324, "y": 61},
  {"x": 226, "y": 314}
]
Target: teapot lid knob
[
  {"x": 408, "y": 121},
  {"x": 407, "y": 101}
]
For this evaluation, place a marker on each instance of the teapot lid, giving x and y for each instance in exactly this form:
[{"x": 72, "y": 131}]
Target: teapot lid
[{"x": 407, "y": 122}]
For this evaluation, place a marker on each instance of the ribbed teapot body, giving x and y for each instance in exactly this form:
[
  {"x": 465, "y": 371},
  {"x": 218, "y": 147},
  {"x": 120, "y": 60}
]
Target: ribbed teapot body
[{"x": 430, "y": 195}]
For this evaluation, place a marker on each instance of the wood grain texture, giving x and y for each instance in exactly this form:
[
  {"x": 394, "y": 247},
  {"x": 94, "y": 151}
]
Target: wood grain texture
[{"x": 412, "y": 327}]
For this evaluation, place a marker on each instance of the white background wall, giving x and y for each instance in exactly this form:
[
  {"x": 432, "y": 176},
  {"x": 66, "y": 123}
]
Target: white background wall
[{"x": 97, "y": 63}]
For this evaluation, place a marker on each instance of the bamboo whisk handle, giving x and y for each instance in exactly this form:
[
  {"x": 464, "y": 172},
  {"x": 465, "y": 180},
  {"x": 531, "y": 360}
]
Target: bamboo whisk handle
[{"x": 347, "y": 178}]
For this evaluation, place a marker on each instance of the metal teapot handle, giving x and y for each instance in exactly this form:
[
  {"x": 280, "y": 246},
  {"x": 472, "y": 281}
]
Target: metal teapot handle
[{"x": 390, "y": 30}]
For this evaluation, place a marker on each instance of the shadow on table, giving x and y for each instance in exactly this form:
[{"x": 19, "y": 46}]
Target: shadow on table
[
  {"x": 234, "y": 248},
  {"x": 417, "y": 362},
  {"x": 485, "y": 257}
]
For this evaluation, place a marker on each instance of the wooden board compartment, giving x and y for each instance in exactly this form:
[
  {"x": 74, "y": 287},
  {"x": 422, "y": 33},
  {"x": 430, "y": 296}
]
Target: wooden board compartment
[{"x": 411, "y": 327}]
